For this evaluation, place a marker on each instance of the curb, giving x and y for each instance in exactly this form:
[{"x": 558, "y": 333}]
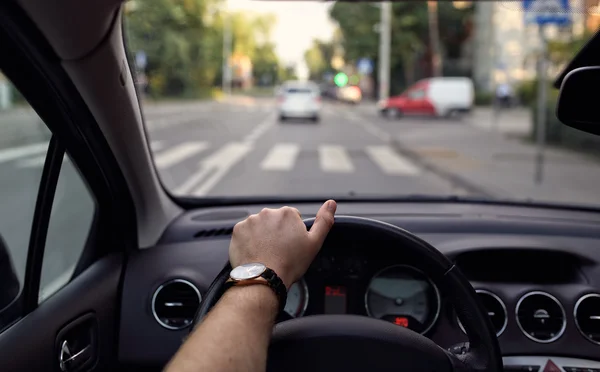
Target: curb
[{"x": 454, "y": 179}]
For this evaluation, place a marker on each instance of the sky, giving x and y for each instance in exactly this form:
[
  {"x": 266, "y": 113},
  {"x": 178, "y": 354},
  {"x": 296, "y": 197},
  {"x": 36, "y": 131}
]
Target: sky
[{"x": 298, "y": 23}]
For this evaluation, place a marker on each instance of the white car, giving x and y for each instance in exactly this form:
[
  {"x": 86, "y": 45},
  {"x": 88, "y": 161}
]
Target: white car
[{"x": 299, "y": 100}]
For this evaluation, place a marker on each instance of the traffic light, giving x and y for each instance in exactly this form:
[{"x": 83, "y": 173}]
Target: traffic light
[{"x": 340, "y": 79}]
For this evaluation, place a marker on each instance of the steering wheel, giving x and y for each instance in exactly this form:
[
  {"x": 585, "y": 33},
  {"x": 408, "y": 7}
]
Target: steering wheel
[{"x": 352, "y": 342}]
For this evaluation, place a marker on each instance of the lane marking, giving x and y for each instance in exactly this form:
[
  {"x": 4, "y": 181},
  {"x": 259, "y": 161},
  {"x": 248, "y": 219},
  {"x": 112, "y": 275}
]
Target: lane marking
[
  {"x": 157, "y": 145},
  {"x": 370, "y": 128},
  {"x": 189, "y": 184},
  {"x": 14, "y": 153},
  {"x": 213, "y": 168},
  {"x": 282, "y": 157},
  {"x": 179, "y": 153},
  {"x": 334, "y": 158},
  {"x": 390, "y": 162},
  {"x": 223, "y": 161},
  {"x": 260, "y": 129},
  {"x": 35, "y": 162}
]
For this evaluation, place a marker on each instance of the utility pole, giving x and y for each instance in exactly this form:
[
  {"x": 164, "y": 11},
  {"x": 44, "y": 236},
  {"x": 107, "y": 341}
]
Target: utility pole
[
  {"x": 541, "y": 107},
  {"x": 385, "y": 41},
  {"x": 227, "y": 40},
  {"x": 434, "y": 38}
]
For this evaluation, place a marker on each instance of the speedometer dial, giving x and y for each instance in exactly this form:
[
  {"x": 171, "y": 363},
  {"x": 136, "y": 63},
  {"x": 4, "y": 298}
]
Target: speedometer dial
[
  {"x": 297, "y": 299},
  {"x": 405, "y": 296}
]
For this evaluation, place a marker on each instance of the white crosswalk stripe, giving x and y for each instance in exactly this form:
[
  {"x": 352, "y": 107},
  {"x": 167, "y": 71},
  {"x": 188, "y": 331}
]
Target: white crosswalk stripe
[
  {"x": 282, "y": 157},
  {"x": 390, "y": 162},
  {"x": 14, "y": 153},
  {"x": 157, "y": 145},
  {"x": 34, "y": 162},
  {"x": 179, "y": 153},
  {"x": 334, "y": 158}
]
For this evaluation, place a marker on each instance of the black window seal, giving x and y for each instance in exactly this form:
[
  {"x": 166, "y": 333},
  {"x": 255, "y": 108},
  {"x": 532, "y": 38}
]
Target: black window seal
[
  {"x": 40, "y": 223},
  {"x": 33, "y": 68}
]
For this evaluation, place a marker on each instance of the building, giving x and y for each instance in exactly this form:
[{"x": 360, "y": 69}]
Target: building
[{"x": 506, "y": 48}]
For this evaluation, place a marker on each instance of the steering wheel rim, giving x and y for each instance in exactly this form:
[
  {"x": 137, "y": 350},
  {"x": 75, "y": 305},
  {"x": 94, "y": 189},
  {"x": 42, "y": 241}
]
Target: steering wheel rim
[{"x": 482, "y": 354}]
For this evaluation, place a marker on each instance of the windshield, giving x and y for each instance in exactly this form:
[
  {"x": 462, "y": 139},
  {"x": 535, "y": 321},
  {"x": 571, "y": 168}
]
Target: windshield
[{"x": 406, "y": 99}]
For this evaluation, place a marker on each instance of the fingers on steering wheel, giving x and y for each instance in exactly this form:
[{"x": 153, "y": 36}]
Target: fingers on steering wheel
[{"x": 288, "y": 209}]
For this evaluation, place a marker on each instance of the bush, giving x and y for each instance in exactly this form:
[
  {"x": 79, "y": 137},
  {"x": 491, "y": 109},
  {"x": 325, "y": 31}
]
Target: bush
[
  {"x": 527, "y": 91},
  {"x": 483, "y": 98},
  {"x": 559, "y": 134}
]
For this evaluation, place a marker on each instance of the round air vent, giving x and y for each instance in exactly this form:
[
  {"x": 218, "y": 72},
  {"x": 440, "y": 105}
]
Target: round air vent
[
  {"x": 175, "y": 303},
  {"x": 495, "y": 308},
  {"x": 541, "y": 317},
  {"x": 587, "y": 317}
]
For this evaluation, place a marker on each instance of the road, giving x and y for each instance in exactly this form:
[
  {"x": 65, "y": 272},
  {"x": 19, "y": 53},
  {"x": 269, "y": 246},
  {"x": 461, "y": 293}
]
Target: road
[
  {"x": 233, "y": 148},
  {"x": 240, "y": 149}
]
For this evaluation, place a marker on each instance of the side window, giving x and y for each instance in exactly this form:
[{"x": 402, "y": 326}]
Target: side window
[
  {"x": 24, "y": 143},
  {"x": 24, "y": 140},
  {"x": 417, "y": 94},
  {"x": 70, "y": 223}
]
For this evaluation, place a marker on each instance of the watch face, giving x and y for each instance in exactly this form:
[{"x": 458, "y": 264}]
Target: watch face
[{"x": 247, "y": 271}]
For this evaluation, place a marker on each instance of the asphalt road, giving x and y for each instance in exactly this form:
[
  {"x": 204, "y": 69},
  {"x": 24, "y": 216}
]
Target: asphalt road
[{"x": 235, "y": 148}]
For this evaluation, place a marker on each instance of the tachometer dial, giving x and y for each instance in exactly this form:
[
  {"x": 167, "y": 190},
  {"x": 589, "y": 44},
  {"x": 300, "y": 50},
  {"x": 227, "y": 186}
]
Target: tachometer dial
[
  {"x": 405, "y": 296},
  {"x": 297, "y": 299}
]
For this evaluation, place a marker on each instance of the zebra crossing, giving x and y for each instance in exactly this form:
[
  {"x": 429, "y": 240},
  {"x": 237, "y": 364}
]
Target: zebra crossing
[{"x": 281, "y": 157}]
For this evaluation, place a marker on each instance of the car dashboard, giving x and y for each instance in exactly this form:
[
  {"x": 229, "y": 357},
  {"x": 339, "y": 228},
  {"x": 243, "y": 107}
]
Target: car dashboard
[{"x": 535, "y": 269}]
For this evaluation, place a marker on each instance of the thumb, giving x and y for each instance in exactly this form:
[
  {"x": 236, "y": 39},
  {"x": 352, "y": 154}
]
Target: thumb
[{"x": 323, "y": 223}]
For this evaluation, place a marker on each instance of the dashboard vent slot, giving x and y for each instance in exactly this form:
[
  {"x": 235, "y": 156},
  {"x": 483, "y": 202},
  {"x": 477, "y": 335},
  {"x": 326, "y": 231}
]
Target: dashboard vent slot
[
  {"x": 174, "y": 304},
  {"x": 208, "y": 233},
  {"x": 495, "y": 308},
  {"x": 587, "y": 317},
  {"x": 541, "y": 317}
]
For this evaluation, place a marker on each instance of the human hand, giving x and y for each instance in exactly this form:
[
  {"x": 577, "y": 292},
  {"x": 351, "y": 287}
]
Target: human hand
[{"x": 278, "y": 239}]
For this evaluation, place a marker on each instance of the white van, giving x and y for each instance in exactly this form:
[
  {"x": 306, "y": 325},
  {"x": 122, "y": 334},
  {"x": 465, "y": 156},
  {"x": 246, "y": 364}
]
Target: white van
[{"x": 440, "y": 96}]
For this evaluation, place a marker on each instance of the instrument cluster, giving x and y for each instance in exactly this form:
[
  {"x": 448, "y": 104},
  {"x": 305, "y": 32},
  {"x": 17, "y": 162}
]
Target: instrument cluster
[{"x": 397, "y": 293}]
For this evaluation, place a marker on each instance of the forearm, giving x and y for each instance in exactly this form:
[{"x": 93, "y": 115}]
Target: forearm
[{"x": 234, "y": 336}]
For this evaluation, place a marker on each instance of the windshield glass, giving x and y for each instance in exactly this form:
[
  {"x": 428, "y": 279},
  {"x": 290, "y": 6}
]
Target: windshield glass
[{"x": 407, "y": 98}]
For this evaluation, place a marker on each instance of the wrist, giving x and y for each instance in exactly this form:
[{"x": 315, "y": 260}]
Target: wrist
[{"x": 253, "y": 298}]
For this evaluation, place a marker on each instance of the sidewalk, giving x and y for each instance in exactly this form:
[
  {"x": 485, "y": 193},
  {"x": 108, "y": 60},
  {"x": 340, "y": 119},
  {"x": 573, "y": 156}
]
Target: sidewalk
[{"x": 490, "y": 162}]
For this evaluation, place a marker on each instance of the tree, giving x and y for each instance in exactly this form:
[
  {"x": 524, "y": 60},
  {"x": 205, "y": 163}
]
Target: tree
[
  {"x": 181, "y": 53},
  {"x": 410, "y": 35}
]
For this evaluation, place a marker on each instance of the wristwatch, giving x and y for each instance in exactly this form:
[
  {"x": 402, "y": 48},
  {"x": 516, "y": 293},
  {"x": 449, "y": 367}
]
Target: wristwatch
[{"x": 258, "y": 273}]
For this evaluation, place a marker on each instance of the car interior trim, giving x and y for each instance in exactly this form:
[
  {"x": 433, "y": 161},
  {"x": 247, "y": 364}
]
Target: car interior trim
[
  {"x": 497, "y": 298},
  {"x": 583, "y": 298},
  {"x": 542, "y": 293},
  {"x": 160, "y": 288}
]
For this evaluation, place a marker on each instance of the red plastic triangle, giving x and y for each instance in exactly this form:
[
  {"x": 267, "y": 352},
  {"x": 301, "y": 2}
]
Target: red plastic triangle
[{"x": 551, "y": 367}]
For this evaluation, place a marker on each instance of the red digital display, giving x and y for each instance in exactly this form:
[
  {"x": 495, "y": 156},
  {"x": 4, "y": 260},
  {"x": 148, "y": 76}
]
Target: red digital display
[
  {"x": 335, "y": 300},
  {"x": 401, "y": 321},
  {"x": 335, "y": 291}
]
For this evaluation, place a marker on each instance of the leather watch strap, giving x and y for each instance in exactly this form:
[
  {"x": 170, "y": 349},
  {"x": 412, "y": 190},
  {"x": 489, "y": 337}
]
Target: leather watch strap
[{"x": 276, "y": 285}]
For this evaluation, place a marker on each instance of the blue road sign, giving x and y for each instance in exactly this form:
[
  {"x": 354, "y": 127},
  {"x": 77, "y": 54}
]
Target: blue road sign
[
  {"x": 364, "y": 66},
  {"x": 543, "y": 12}
]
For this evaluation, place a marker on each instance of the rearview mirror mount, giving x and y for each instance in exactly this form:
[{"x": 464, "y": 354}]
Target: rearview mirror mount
[{"x": 576, "y": 107}]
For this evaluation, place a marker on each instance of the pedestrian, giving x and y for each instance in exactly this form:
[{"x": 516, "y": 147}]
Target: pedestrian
[{"x": 504, "y": 95}]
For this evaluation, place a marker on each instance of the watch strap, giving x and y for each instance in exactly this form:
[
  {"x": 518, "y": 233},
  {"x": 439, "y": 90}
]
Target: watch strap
[
  {"x": 273, "y": 281},
  {"x": 277, "y": 286}
]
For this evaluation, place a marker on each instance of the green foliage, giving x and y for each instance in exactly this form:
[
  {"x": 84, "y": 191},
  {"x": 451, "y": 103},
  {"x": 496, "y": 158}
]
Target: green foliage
[
  {"x": 483, "y": 98},
  {"x": 527, "y": 92},
  {"x": 561, "y": 135},
  {"x": 561, "y": 52},
  {"x": 183, "y": 41},
  {"x": 410, "y": 34}
]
